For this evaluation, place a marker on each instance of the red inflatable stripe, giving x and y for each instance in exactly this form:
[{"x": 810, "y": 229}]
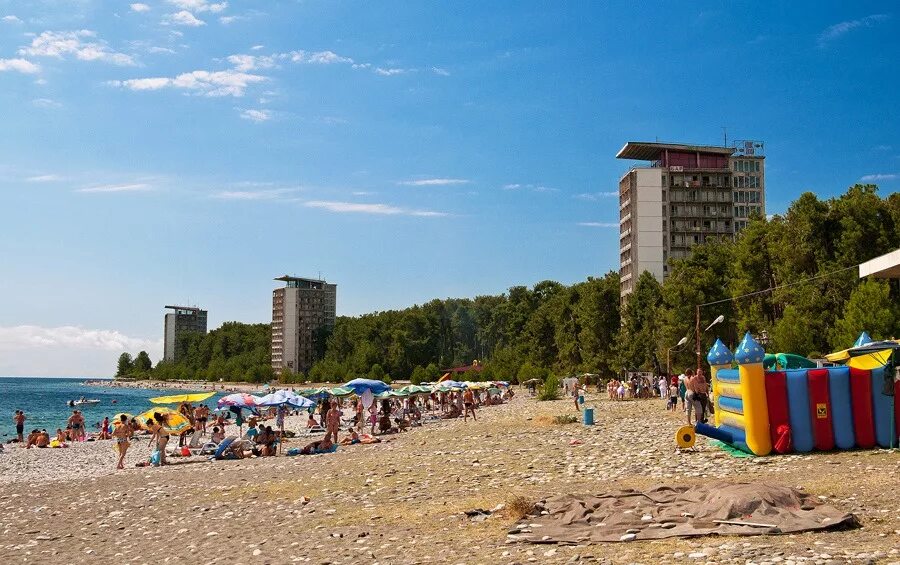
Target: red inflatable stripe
[
  {"x": 777, "y": 401},
  {"x": 820, "y": 409},
  {"x": 861, "y": 396}
]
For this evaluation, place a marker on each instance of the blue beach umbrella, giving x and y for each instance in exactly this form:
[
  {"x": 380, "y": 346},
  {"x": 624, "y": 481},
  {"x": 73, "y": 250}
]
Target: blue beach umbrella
[
  {"x": 361, "y": 385},
  {"x": 285, "y": 397}
]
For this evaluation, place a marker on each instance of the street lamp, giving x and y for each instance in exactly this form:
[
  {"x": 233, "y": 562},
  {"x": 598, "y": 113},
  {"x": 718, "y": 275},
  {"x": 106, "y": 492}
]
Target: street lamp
[
  {"x": 719, "y": 319},
  {"x": 681, "y": 342}
]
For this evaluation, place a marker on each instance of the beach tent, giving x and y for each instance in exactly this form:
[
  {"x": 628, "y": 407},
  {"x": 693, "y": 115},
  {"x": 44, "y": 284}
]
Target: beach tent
[
  {"x": 361, "y": 385},
  {"x": 179, "y": 398},
  {"x": 176, "y": 423}
]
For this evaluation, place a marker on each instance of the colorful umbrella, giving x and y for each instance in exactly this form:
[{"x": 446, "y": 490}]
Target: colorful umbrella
[
  {"x": 175, "y": 424},
  {"x": 238, "y": 400},
  {"x": 179, "y": 398}
]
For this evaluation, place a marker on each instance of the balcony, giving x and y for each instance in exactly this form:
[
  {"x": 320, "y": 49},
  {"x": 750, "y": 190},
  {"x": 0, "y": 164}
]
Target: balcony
[
  {"x": 625, "y": 204},
  {"x": 624, "y": 234},
  {"x": 625, "y": 218},
  {"x": 626, "y": 247}
]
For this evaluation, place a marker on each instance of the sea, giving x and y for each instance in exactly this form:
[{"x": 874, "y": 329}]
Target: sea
[{"x": 44, "y": 401}]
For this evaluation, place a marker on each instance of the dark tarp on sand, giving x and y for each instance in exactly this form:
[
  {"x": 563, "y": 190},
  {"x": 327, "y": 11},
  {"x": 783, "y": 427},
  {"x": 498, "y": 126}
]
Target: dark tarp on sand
[{"x": 665, "y": 512}]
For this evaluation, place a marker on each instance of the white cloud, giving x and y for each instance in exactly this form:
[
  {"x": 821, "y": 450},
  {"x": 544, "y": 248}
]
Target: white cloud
[
  {"x": 362, "y": 193},
  {"x": 880, "y": 176},
  {"x": 389, "y": 71},
  {"x": 272, "y": 194},
  {"x": 840, "y": 29},
  {"x": 599, "y": 224},
  {"x": 251, "y": 62},
  {"x": 29, "y": 337},
  {"x": 530, "y": 187},
  {"x": 44, "y": 178},
  {"x": 440, "y": 71},
  {"x": 19, "y": 65},
  {"x": 183, "y": 18},
  {"x": 225, "y": 20},
  {"x": 60, "y": 43},
  {"x": 377, "y": 209},
  {"x": 199, "y": 6},
  {"x": 257, "y": 47},
  {"x": 256, "y": 115},
  {"x": 593, "y": 196},
  {"x": 136, "y": 187},
  {"x": 67, "y": 350},
  {"x": 317, "y": 57},
  {"x": 139, "y": 7},
  {"x": 205, "y": 83},
  {"x": 434, "y": 182},
  {"x": 11, "y": 19},
  {"x": 46, "y": 103}
]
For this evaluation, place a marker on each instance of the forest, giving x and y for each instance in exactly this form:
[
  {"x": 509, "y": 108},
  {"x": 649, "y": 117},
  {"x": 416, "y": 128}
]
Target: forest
[{"x": 807, "y": 255}]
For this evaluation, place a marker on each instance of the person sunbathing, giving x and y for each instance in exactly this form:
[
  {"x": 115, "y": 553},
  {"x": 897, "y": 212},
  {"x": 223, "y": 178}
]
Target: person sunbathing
[
  {"x": 311, "y": 422},
  {"x": 31, "y": 440},
  {"x": 60, "y": 435},
  {"x": 43, "y": 439},
  {"x": 319, "y": 446},
  {"x": 217, "y": 435},
  {"x": 454, "y": 412},
  {"x": 352, "y": 439}
]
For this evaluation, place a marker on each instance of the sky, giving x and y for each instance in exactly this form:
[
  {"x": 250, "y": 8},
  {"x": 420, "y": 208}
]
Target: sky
[{"x": 189, "y": 151}]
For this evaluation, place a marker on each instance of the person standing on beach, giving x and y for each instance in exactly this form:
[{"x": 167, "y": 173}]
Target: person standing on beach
[
  {"x": 161, "y": 435},
  {"x": 19, "y": 419},
  {"x": 333, "y": 422},
  {"x": 122, "y": 434},
  {"x": 469, "y": 404}
]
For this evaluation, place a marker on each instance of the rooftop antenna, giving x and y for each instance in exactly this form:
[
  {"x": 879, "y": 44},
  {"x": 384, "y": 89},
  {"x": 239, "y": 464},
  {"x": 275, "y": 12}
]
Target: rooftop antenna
[{"x": 725, "y": 134}]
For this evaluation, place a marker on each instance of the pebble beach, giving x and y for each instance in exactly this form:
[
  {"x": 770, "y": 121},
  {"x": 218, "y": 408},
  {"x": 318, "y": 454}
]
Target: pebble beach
[{"x": 404, "y": 500}]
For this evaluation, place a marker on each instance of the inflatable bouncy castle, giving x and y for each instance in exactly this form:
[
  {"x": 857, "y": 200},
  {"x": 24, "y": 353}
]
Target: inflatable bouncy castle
[{"x": 804, "y": 409}]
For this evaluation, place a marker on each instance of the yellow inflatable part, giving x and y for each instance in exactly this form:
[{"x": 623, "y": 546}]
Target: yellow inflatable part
[
  {"x": 730, "y": 389},
  {"x": 756, "y": 409},
  {"x": 733, "y": 420},
  {"x": 716, "y": 388}
]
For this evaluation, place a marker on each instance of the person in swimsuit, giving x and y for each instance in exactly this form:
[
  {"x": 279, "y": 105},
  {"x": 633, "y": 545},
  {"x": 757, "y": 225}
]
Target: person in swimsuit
[
  {"x": 333, "y": 421},
  {"x": 19, "y": 419},
  {"x": 161, "y": 435},
  {"x": 469, "y": 404},
  {"x": 122, "y": 435}
]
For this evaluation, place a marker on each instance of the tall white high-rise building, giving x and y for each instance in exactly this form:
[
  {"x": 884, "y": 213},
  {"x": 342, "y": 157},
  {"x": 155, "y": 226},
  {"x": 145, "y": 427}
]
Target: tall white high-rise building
[
  {"x": 686, "y": 195},
  {"x": 301, "y": 312}
]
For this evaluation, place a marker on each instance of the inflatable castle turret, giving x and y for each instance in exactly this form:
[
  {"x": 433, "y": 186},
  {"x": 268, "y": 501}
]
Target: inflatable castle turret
[{"x": 799, "y": 410}]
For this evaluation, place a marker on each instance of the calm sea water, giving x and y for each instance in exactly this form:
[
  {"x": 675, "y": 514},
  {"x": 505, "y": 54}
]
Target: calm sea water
[{"x": 44, "y": 402}]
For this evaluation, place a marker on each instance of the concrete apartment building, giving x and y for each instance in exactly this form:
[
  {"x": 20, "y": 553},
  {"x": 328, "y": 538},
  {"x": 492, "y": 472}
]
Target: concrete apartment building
[
  {"x": 300, "y": 310},
  {"x": 182, "y": 320},
  {"x": 686, "y": 195}
]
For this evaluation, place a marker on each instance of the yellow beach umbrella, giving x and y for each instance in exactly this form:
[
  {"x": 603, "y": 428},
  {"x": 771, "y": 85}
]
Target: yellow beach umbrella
[
  {"x": 117, "y": 419},
  {"x": 176, "y": 423},
  {"x": 179, "y": 398}
]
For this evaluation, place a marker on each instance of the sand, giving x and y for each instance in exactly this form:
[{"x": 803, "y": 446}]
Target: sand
[{"x": 403, "y": 501}]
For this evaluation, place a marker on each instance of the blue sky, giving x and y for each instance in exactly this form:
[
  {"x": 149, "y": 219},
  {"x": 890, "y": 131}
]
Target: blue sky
[{"x": 190, "y": 151}]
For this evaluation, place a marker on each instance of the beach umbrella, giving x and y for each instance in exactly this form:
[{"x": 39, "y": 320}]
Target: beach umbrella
[
  {"x": 285, "y": 397},
  {"x": 360, "y": 385},
  {"x": 493, "y": 390},
  {"x": 179, "y": 398},
  {"x": 451, "y": 385},
  {"x": 117, "y": 418},
  {"x": 176, "y": 423},
  {"x": 238, "y": 400}
]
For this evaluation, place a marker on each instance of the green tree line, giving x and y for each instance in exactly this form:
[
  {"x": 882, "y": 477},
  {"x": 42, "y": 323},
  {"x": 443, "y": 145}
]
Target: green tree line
[{"x": 556, "y": 329}]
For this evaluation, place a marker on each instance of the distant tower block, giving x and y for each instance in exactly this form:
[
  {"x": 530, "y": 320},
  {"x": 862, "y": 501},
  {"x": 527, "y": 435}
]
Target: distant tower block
[
  {"x": 182, "y": 320},
  {"x": 303, "y": 311}
]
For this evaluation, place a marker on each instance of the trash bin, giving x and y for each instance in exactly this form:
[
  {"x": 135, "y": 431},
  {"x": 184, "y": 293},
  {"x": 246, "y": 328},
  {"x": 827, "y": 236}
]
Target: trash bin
[
  {"x": 588, "y": 416},
  {"x": 580, "y": 399}
]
